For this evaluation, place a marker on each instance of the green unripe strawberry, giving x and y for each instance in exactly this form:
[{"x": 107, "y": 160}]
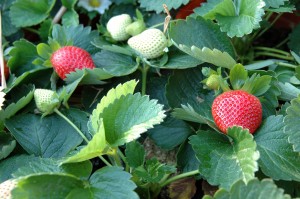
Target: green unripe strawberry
[
  {"x": 46, "y": 100},
  {"x": 136, "y": 28},
  {"x": 212, "y": 82},
  {"x": 116, "y": 27},
  {"x": 150, "y": 43}
]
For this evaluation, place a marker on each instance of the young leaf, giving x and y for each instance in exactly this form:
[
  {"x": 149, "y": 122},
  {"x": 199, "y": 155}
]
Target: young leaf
[
  {"x": 112, "y": 182},
  {"x": 129, "y": 116},
  {"x": 157, "y": 5},
  {"x": 215, "y": 57},
  {"x": 274, "y": 3},
  {"x": 52, "y": 185},
  {"x": 200, "y": 33},
  {"x": 236, "y": 18},
  {"x": 115, "y": 64},
  {"x": 277, "y": 160},
  {"x": 94, "y": 148},
  {"x": 238, "y": 76},
  {"x": 222, "y": 162},
  {"x": 25, "y": 13},
  {"x": 50, "y": 136},
  {"x": 7, "y": 145},
  {"x": 111, "y": 96},
  {"x": 135, "y": 154},
  {"x": 70, "y": 18},
  {"x": 291, "y": 122},
  {"x": 253, "y": 189}
]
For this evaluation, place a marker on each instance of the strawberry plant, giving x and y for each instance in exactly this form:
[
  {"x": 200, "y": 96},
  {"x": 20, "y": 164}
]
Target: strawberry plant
[{"x": 149, "y": 99}]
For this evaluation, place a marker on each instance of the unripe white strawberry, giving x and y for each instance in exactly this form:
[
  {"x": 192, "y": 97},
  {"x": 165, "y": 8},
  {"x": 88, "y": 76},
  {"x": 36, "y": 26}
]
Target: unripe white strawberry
[
  {"x": 46, "y": 100},
  {"x": 6, "y": 187},
  {"x": 116, "y": 27},
  {"x": 150, "y": 43}
]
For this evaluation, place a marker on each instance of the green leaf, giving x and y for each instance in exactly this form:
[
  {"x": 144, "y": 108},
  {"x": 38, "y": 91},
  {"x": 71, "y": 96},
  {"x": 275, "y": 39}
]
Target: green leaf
[
  {"x": 50, "y": 136},
  {"x": 236, "y": 18},
  {"x": 143, "y": 112},
  {"x": 157, "y": 5},
  {"x": 7, "y": 27},
  {"x": 69, "y": 3},
  {"x": 41, "y": 186},
  {"x": 153, "y": 171},
  {"x": 253, "y": 189},
  {"x": 186, "y": 158},
  {"x": 294, "y": 40},
  {"x": 94, "y": 148},
  {"x": 288, "y": 91},
  {"x": 274, "y": 3},
  {"x": 171, "y": 133},
  {"x": 7, "y": 145},
  {"x": 79, "y": 36},
  {"x": 238, "y": 75},
  {"x": 291, "y": 122},
  {"x": 25, "y": 13},
  {"x": 45, "y": 29},
  {"x": 111, "y": 96},
  {"x": 277, "y": 158},
  {"x": 112, "y": 182},
  {"x": 46, "y": 165},
  {"x": 224, "y": 161},
  {"x": 22, "y": 55},
  {"x": 70, "y": 18},
  {"x": 135, "y": 154},
  {"x": 13, "y": 108},
  {"x": 115, "y": 64},
  {"x": 12, "y": 164},
  {"x": 200, "y": 33}
]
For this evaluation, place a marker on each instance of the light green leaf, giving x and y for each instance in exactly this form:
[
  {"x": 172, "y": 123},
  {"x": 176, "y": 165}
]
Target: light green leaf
[
  {"x": 115, "y": 64},
  {"x": 257, "y": 85},
  {"x": 7, "y": 145},
  {"x": 238, "y": 75},
  {"x": 291, "y": 122},
  {"x": 69, "y": 3},
  {"x": 274, "y": 3},
  {"x": 144, "y": 114},
  {"x": 215, "y": 57},
  {"x": 94, "y": 148},
  {"x": 200, "y": 33},
  {"x": 135, "y": 154},
  {"x": 236, "y": 18},
  {"x": 50, "y": 136},
  {"x": 70, "y": 18},
  {"x": 111, "y": 96},
  {"x": 253, "y": 189},
  {"x": 40, "y": 186},
  {"x": 224, "y": 161},
  {"x": 105, "y": 45},
  {"x": 157, "y": 5},
  {"x": 112, "y": 182},
  {"x": 277, "y": 160},
  {"x": 25, "y": 13}
]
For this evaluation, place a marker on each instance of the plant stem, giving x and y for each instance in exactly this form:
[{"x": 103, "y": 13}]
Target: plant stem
[
  {"x": 180, "y": 176},
  {"x": 32, "y": 30},
  {"x": 3, "y": 80},
  {"x": 270, "y": 54},
  {"x": 286, "y": 64},
  {"x": 272, "y": 50},
  {"x": 267, "y": 28},
  {"x": 72, "y": 124},
  {"x": 162, "y": 24},
  {"x": 144, "y": 70},
  {"x": 79, "y": 132},
  {"x": 123, "y": 158},
  {"x": 59, "y": 14},
  {"x": 116, "y": 157}
]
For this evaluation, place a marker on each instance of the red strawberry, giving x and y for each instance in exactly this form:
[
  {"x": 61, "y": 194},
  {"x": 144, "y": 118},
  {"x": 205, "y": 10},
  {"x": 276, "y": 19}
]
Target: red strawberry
[
  {"x": 69, "y": 58},
  {"x": 237, "y": 108},
  {"x": 6, "y": 71},
  {"x": 187, "y": 9}
]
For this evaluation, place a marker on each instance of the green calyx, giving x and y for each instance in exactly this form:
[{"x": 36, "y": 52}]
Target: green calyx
[
  {"x": 46, "y": 101},
  {"x": 135, "y": 28},
  {"x": 213, "y": 82}
]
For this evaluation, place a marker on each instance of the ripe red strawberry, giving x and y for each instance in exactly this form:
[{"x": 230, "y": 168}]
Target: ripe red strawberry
[
  {"x": 188, "y": 9},
  {"x": 237, "y": 108},
  {"x": 6, "y": 71},
  {"x": 69, "y": 58}
]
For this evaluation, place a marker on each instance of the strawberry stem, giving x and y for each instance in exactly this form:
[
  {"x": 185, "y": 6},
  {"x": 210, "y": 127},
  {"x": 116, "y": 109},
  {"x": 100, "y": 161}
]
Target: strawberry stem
[
  {"x": 180, "y": 176},
  {"x": 144, "y": 70}
]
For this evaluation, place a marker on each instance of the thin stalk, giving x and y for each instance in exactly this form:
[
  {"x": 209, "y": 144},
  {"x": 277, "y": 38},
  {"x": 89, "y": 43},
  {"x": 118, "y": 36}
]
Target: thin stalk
[
  {"x": 270, "y": 54},
  {"x": 59, "y": 14},
  {"x": 3, "y": 80},
  {"x": 267, "y": 28},
  {"x": 79, "y": 132},
  {"x": 272, "y": 50},
  {"x": 282, "y": 42},
  {"x": 163, "y": 23},
  {"x": 116, "y": 157},
  {"x": 32, "y": 30},
  {"x": 178, "y": 177},
  {"x": 72, "y": 124},
  {"x": 144, "y": 70},
  {"x": 286, "y": 65}
]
